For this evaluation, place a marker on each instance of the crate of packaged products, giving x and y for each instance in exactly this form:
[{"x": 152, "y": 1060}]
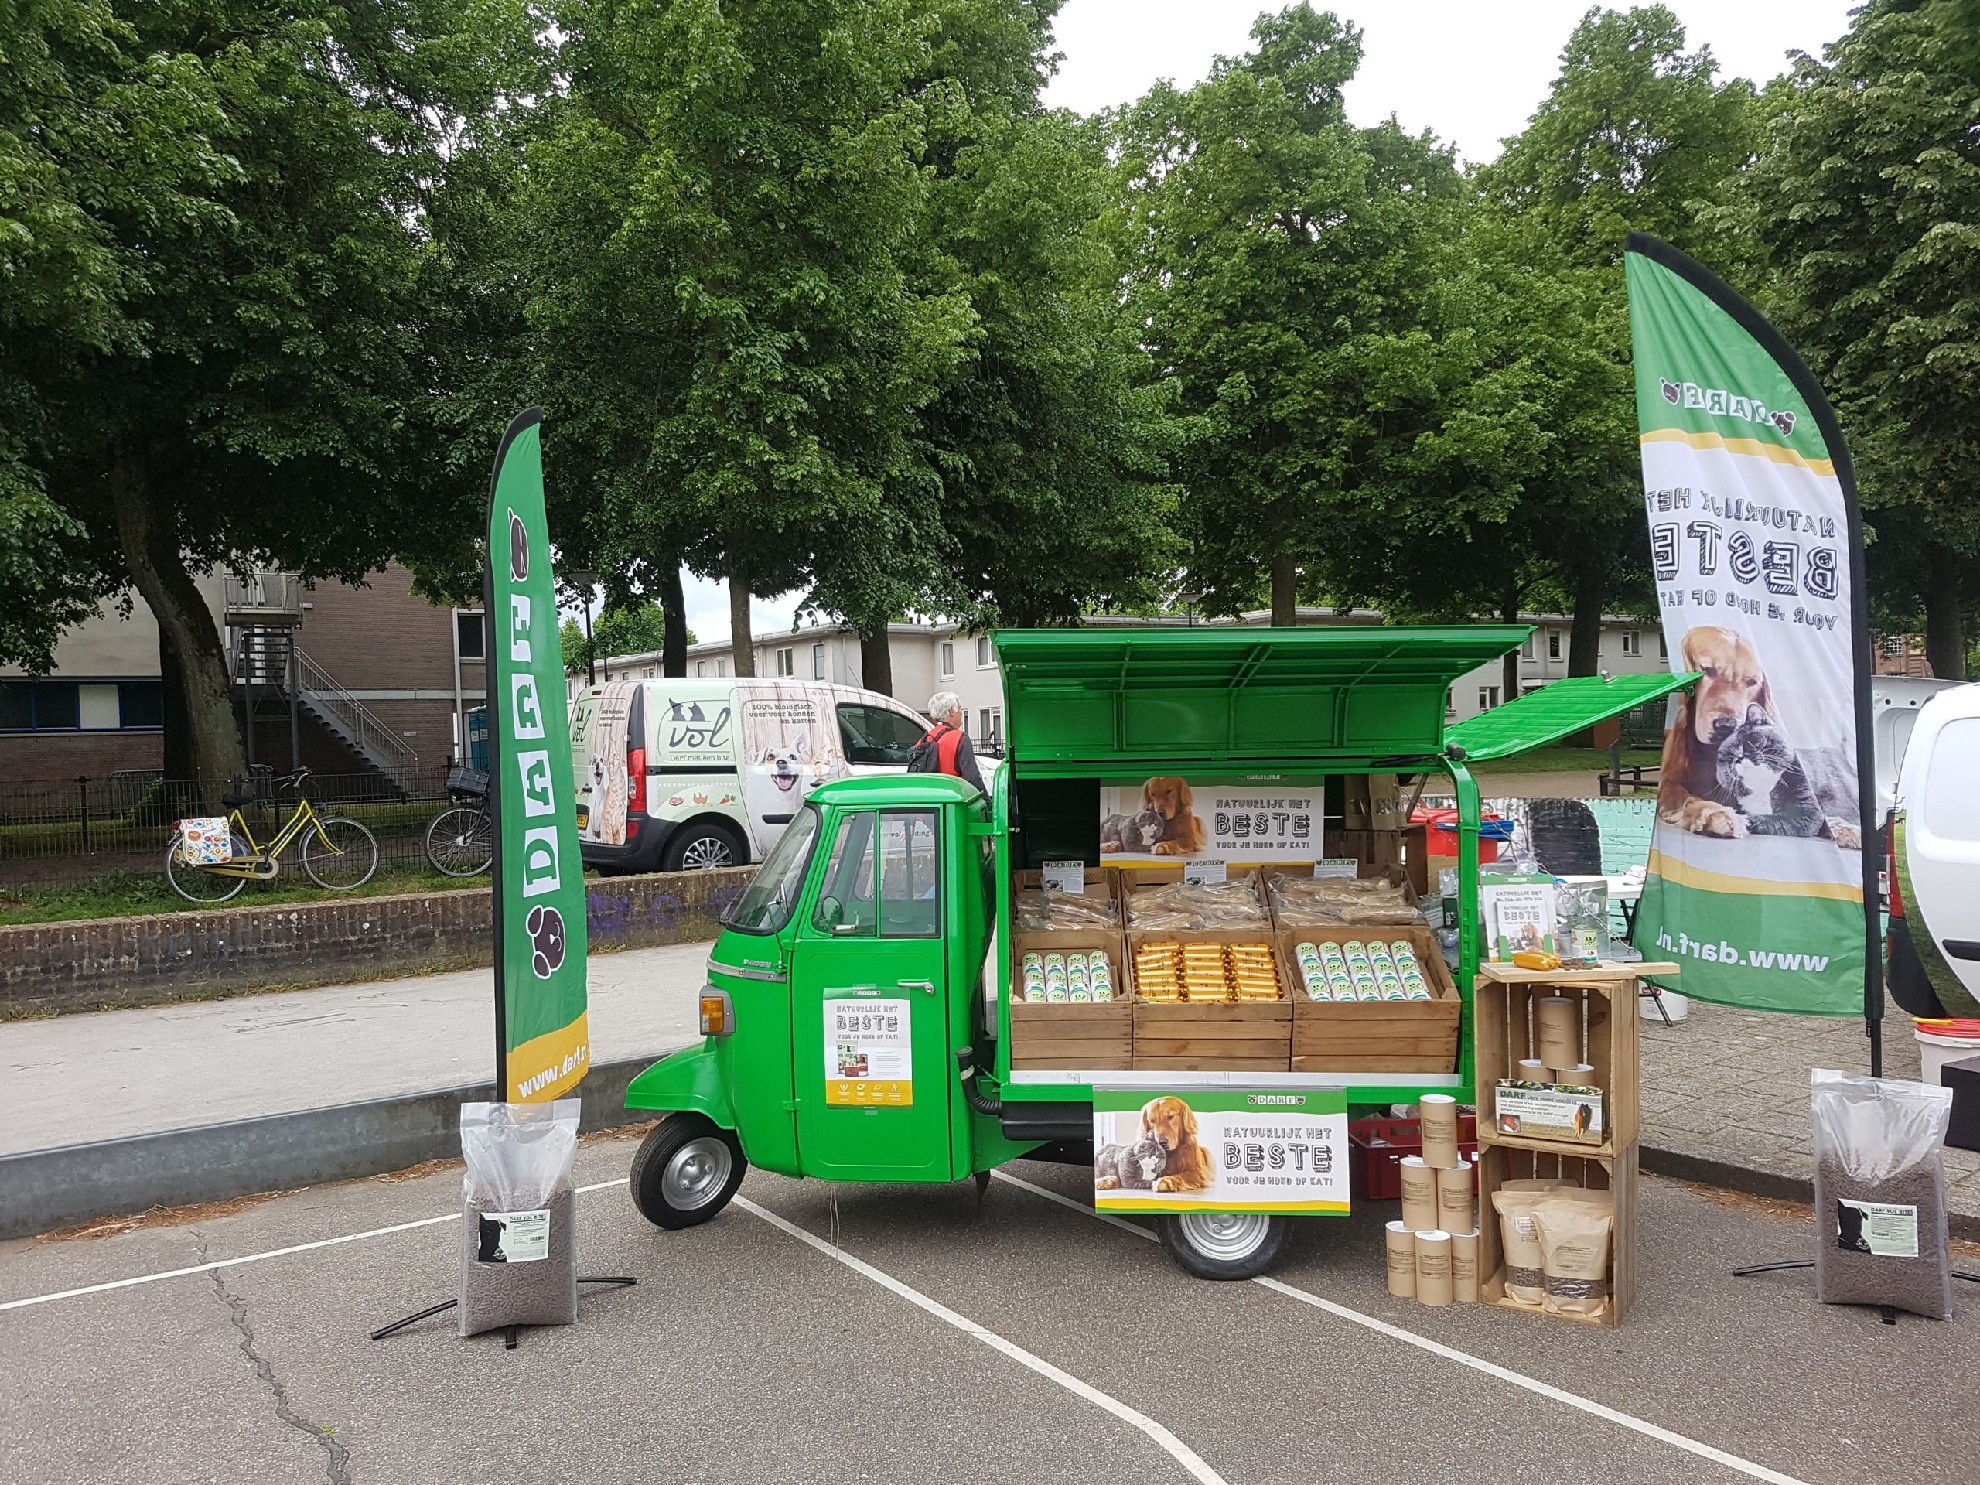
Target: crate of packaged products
[
  {"x": 1210, "y": 1000},
  {"x": 1069, "y": 1001},
  {"x": 1370, "y": 999}
]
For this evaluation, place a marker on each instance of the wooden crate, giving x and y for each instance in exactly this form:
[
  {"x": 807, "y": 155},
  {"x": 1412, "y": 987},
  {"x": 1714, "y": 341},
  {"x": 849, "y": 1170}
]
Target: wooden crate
[
  {"x": 1615, "y": 1173},
  {"x": 1403, "y": 1036},
  {"x": 1102, "y": 882},
  {"x": 1179, "y": 1036},
  {"x": 1502, "y": 1005},
  {"x": 1065, "y": 1036}
]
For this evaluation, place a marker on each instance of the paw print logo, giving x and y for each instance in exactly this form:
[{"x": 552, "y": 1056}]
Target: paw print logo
[
  {"x": 545, "y": 926},
  {"x": 1785, "y": 422},
  {"x": 1671, "y": 391}
]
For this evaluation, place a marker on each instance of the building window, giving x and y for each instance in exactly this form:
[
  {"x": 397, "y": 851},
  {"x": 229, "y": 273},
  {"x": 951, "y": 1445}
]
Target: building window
[
  {"x": 1663, "y": 646},
  {"x": 1632, "y": 642},
  {"x": 701, "y": 667},
  {"x": 40, "y": 706},
  {"x": 1450, "y": 701},
  {"x": 473, "y": 634},
  {"x": 1526, "y": 650},
  {"x": 984, "y": 659},
  {"x": 141, "y": 703},
  {"x": 649, "y": 672},
  {"x": 991, "y": 730},
  {"x": 948, "y": 665},
  {"x": 1553, "y": 644},
  {"x": 818, "y": 662},
  {"x": 721, "y": 667},
  {"x": 1488, "y": 697},
  {"x": 786, "y": 665}
]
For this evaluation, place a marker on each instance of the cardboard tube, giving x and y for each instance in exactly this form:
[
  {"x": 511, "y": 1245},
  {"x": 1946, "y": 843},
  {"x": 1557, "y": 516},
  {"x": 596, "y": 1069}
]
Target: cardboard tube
[
  {"x": 1582, "y": 1076},
  {"x": 1419, "y": 1194},
  {"x": 1560, "y": 1030},
  {"x": 1402, "y": 1260},
  {"x": 1454, "y": 1198},
  {"x": 1436, "y": 1115},
  {"x": 1464, "y": 1267},
  {"x": 1533, "y": 1070},
  {"x": 1433, "y": 1268}
]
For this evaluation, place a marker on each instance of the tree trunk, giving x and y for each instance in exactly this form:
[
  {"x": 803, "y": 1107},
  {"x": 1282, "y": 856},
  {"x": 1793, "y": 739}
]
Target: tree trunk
[
  {"x": 1945, "y": 635},
  {"x": 1585, "y": 636},
  {"x": 178, "y": 759},
  {"x": 742, "y": 648},
  {"x": 185, "y": 626},
  {"x": 674, "y": 641},
  {"x": 1285, "y": 590},
  {"x": 876, "y": 659},
  {"x": 1509, "y": 667}
]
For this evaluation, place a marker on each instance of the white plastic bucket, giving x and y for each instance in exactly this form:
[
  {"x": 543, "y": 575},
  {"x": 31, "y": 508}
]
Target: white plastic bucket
[
  {"x": 1676, "y": 1006},
  {"x": 1937, "y": 1048}
]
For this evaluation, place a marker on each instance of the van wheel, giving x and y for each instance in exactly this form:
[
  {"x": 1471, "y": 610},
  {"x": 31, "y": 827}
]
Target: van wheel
[
  {"x": 686, "y": 1171},
  {"x": 1223, "y": 1245},
  {"x": 702, "y": 848}
]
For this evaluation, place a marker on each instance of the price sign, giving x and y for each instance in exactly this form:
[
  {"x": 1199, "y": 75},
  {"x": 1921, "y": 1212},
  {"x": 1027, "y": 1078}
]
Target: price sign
[
  {"x": 1205, "y": 871},
  {"x": 1337, "y": 866},
  {"x": 1064, "y": 876}
]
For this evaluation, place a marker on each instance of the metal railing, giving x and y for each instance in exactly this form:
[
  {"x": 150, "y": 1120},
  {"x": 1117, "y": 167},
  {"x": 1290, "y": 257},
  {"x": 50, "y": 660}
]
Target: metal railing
[
  {"x": 261, "y": 596},
  {"x": 359, "y": 723}
]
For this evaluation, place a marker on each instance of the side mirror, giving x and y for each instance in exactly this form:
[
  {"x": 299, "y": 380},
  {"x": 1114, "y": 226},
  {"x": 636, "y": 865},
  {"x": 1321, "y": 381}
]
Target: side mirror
[{"x": 832, "y": 913}]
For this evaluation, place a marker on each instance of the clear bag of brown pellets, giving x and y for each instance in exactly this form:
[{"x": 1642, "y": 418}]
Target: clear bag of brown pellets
[
  {"x": 518, "y": 1227},
  {"x": 1880, "y": 1193}
]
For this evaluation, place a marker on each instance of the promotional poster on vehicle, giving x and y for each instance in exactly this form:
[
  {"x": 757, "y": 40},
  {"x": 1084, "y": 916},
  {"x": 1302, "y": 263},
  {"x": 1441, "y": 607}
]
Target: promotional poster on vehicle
[
  {"x": 1757, "y": 863},
  {"x": 602, "y": 796},
  {"x": 1220, "y": 1150},
  {"x": 542, "y": 1034},
  {"x": 869, "y": 1053},
  {"x": 1166, "y": 820},
  {"x": 790, "y": 747}
]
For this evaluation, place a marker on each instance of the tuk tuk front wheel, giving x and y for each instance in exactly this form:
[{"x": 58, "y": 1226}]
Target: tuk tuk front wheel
[
  {"x": 686, "y": 1171},
  {"x": 1223, "y": 1245}
]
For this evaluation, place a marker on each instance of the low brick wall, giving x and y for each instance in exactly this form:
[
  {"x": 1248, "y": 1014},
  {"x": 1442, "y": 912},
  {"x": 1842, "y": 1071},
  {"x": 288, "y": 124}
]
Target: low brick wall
[{"x": 51, "y": 968}]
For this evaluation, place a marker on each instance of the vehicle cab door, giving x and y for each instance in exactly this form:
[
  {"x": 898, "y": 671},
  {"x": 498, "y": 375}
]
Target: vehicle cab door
[
  {"x": 878, "y": 739},
  {"x": 874, "y": 1050}
]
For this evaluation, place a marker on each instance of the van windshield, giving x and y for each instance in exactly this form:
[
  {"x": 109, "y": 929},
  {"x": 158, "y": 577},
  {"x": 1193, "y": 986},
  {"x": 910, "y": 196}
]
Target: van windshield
[{"x": 766, "y": 906}]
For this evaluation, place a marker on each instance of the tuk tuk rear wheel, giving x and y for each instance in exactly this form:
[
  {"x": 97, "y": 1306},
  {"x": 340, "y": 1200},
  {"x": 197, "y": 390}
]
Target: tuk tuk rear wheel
[
  {"x": 686, "y": 1171},
  {"x": 1223, "y": 1245}
]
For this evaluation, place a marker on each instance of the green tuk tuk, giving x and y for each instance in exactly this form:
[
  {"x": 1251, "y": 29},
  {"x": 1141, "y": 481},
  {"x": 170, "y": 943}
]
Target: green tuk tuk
[{"x": 869, "y": 1013}]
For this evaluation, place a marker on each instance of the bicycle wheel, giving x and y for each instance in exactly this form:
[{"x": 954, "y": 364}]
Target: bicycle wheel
[
  {"x": 339, "y": 854},
  {"x": 461, "y": 841},
  {"x": 198, "y": 883}
]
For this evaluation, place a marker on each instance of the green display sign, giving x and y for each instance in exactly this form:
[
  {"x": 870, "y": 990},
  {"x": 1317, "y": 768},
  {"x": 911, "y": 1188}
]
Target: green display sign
[
  {"x": 1220, "y": 1150},
  {"x": 1763, "y": 858},
  {"x": 543, "y": 1045}
]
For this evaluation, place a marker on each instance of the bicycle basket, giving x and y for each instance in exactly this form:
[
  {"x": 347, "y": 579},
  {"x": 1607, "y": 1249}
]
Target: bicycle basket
[
  {"x": 206, "y": 840},
  {"x": 464, "y": 780}
]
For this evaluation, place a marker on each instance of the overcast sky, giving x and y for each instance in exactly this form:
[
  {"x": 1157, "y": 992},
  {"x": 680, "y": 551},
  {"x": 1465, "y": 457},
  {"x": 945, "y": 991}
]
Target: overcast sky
[{"x": 1472, "y": 71}]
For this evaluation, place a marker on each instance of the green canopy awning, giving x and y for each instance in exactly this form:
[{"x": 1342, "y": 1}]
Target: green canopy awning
[{"x": 1557, "y": 710}]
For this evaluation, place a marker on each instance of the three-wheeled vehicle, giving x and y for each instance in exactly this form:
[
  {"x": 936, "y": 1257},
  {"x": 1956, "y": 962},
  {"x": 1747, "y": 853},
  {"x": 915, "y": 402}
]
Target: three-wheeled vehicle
[{"x": 866, "y": 1018}]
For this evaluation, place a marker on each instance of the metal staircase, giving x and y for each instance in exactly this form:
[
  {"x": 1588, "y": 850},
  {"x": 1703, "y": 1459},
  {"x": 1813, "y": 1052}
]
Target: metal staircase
[{"x": 263, "y": 612}]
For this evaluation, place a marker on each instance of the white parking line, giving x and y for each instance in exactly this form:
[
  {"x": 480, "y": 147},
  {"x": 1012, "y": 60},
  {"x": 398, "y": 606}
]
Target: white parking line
[
  {"x": 207, "y": 1268},
  {"x": 1174, "y": 1447},
  {"x": 1451, "y": 1353}
]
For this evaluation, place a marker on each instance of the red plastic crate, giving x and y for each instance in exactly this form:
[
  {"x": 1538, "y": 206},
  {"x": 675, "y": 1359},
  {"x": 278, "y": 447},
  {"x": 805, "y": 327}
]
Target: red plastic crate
[{"x": 1376, "y": 1148}]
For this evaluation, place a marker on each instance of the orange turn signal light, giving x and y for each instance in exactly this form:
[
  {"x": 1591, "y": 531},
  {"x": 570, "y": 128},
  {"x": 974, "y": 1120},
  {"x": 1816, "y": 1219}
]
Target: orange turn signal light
[{"x": 715, "y": 1015}]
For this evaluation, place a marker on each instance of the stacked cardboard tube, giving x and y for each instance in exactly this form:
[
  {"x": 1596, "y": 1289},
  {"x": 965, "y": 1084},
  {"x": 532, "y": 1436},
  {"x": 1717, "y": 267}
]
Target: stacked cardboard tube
[{"x": 1433, "y": 1250}]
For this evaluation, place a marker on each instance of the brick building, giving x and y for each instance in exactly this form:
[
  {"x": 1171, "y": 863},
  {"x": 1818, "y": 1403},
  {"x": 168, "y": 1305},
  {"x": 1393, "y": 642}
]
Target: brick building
[{"x": 348, "y": 680}]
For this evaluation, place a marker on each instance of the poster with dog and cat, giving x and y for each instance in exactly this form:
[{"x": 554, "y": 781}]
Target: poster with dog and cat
[
  {"x": 1757, "y": 870},
  {"x": 1220, "y": 1150},
  {"x": 1164, "y": 819},
  {"x": 790, "y": 746}
]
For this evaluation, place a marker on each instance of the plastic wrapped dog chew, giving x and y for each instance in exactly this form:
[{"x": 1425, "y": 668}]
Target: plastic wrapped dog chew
[
  {"x": 1079, "y": 977},
  {"x": 1206, "y": 972},
  {"x": 1317, "y": 902},
  {"x": 1189, "y": 906},
  {"x": 1038, "y": 910}
]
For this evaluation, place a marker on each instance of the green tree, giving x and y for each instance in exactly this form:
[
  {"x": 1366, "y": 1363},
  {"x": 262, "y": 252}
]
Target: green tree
[
  {"x": 271, "y": 395},
  {"x": 1866, "y": 203},
  {"x": 637, "y": 629},
  {"x": 1286, "y": 268},
  {"x": 1635, "y": 134}
]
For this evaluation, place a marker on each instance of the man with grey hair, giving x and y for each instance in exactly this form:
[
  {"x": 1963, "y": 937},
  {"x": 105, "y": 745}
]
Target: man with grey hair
[{"x": 946, "y": 748}]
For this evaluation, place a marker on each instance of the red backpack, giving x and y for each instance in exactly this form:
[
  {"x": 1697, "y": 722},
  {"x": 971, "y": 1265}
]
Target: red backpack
[{"x": 936, "y": 753}]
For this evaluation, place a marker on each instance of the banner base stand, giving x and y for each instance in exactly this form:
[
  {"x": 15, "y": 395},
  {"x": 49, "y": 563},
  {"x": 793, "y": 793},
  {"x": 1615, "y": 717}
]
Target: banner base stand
[
  {"x": 509, "y": 1332},
  {"x": 1890, "y": 1315}
]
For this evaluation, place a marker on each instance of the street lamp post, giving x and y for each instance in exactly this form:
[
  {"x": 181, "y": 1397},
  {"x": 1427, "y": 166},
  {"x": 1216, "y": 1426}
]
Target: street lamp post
[{"x": 589, "y": 582}]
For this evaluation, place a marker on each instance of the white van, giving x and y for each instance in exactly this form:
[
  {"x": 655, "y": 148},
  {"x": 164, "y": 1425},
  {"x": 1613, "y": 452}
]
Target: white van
[
  {"x": 1935, "y": 861},
  {"x": 679, "y": 774}
]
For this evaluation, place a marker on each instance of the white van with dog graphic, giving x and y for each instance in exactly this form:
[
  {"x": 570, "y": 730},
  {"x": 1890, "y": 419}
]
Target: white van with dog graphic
[{"x": 680, "y": 774}]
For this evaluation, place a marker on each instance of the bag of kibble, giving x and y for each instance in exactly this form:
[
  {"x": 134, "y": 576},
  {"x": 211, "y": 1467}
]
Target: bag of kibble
[{"x": 518, "y": 1228}]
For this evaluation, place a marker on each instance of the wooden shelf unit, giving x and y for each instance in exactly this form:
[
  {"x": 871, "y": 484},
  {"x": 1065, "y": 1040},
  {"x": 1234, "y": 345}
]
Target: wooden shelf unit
[{"x": 1498, "y": 1163}]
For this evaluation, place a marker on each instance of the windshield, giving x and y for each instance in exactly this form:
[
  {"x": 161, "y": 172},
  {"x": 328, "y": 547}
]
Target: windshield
[{"x": 767, "y": 904}]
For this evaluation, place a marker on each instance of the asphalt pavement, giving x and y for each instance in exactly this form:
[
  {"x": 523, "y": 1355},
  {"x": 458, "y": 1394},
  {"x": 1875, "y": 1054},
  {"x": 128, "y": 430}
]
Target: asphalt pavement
[
  {"x": 866, "y": 1333},
  {"x": 102, "y": 1075}
]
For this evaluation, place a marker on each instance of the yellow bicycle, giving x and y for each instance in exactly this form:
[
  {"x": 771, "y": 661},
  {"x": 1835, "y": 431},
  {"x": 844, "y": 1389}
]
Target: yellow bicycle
[{"x": 337, "y": 854}]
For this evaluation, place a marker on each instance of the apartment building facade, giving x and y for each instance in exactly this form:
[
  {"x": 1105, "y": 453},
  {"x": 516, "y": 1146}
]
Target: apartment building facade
[{"x": 345, "y": 679}]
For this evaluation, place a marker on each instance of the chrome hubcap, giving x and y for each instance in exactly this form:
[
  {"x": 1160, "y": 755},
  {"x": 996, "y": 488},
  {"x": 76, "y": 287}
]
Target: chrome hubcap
[
  {"x": 706, "y": 853},
  {"x": 1227, "y": 1236},
  {"x": 696, "y": 1174}
]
